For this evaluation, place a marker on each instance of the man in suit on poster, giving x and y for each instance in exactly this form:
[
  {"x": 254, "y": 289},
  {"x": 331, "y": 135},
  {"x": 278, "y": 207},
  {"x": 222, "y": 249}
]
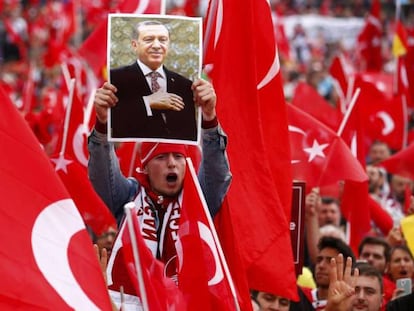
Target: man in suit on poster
[{"x": 153, "y": 102}]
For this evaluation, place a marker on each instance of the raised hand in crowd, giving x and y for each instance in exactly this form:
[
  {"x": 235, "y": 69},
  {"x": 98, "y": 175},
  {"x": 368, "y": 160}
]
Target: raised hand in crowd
[{"x": 341, "y": 285}]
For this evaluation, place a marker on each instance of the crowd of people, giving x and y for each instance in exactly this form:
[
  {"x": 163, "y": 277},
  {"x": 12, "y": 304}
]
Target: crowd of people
[{"x": 32, "y": 49}]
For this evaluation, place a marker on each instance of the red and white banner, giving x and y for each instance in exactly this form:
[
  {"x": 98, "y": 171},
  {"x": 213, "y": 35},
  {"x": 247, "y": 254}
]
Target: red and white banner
[{"x": 47, "y": 249}]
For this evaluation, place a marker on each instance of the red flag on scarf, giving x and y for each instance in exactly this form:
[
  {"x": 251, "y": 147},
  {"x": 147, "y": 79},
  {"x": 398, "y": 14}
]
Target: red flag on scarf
[
  {"x": 369, "y": 40},
  {"x": 157, "y": 292},
  {"x": 252, "y": 109},
  {"x": 45, "y": 258},
  {"x": 401, "y": 163},
  {"x": 319, "y": 156},
  {"x": 202, "y": 277},
  {"x": 309, "y": 100}
]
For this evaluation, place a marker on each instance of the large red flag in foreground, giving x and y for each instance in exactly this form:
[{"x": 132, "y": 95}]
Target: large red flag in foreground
[
  {"x": 203, "y": 274},
  {"x": 246, "y": 75},
  {"x": 46, "y": 249}
]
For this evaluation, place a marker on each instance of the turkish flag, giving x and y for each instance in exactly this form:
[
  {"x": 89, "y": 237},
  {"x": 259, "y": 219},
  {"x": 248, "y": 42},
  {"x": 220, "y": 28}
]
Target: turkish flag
[
  {"x": 70, "y": 161},
  {"x": 47, "y": 258},
  {"x": 342, "y": 71},
  {"x": 157, "y": 292},
  {"x": 308, "y": 99},
  {"x": 369, "y": 40},
  {"x": 401, "y": 163},
  {"x": 73, "y": 136},
  {"x": 319, "y": 156},
  {"x": 202, "y": 277},
  {"x": 93, "y": 210},
  {"x": 251, "y": 108},
  {"x": 140, "y": 6}
]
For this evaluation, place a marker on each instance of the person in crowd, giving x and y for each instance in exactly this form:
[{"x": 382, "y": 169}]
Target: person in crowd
[
  {"x": 264, "y": 301},
  {"x": 319, "y": 212},
  {"x": 153, "y": 102},
  {"x": 378, "y": 151},
  {"x": 376, "y": 252},
  {"x": 401, "y": 265},
  {"x": 352, "y": 290},
  {"x": 157, "y": 193},
  {"x": 404, "y": 303},
  {"x": 328, "y": 247},
  {"x": 270, "y": 302},
  {"x": 105, "y": 240}
]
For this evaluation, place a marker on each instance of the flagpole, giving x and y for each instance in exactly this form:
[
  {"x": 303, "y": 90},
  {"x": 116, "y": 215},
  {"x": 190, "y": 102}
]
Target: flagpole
[
  {"x": 348, "y": 112},
  {"x": 397, "y": 57},
  {"x": 67, "y": 117},
  {"x": 190, "y": 167},
  {"x": 88, "y": 110},
  {"x": 133, "y": 157},
  {"x": 144, "y": 299}
]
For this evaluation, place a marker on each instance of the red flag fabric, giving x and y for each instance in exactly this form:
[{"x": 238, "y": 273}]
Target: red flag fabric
[
  {"x": 369, "y": 40},
  {"x": 380, "y": 216},
  {"x": 140, "y": 6},
  {"x": 202, "y": 272},
  {"x": 93, "y": 49},
  {"x": 74, "y": 134},
  {"x": 319, "y": 156},
  {"x": 355, "y": 208},
  {"x": 147, "y": 273},
  {"x": 341, "y": 71},
  {"x": 409, "y": 62},
  {"x": 70, "y": 161},
  {"x": 401, "y": 163},
  {"x": 93, "y": 210},
  {"x": 47, "y": 249},
  {"x": 251, "y": 107},
  {"x": 309, "y": 100}
]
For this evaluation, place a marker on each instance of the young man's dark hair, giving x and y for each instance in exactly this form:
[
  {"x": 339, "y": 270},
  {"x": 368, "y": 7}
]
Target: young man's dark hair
[
  {"x": 338, "y": 244},
  {"x": 365, "y": 269},
  {"x": 373, "y": 240}
]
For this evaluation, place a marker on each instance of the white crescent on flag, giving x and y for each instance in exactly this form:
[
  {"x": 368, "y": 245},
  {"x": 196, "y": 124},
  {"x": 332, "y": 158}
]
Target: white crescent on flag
[
  {"x": 50, "y": 249},
  {"x": 78, "y": 143},
  {"x": 388, "y": 122},
  {"x": 206, "y": 236},
  {"x": 295, "y": 129}
]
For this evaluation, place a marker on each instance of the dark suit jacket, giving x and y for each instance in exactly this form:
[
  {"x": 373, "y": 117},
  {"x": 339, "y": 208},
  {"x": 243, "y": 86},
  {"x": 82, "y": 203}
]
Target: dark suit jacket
[
  {"x": 405, "y": 303},
  {"x": 129, "y": 118}
]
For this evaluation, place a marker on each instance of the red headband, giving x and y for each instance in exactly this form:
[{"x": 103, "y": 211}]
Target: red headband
[{"x": 151, "y": 150}]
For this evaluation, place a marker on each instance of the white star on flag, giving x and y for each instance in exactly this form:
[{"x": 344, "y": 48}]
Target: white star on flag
[
  {"x": 315, "y": 150},
  {"x": 61, "y": 163}
]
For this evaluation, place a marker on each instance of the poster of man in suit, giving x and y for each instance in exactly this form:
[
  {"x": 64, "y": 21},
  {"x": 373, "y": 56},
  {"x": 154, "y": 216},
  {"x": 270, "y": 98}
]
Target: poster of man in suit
[{"x": 152, "y": 61}]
